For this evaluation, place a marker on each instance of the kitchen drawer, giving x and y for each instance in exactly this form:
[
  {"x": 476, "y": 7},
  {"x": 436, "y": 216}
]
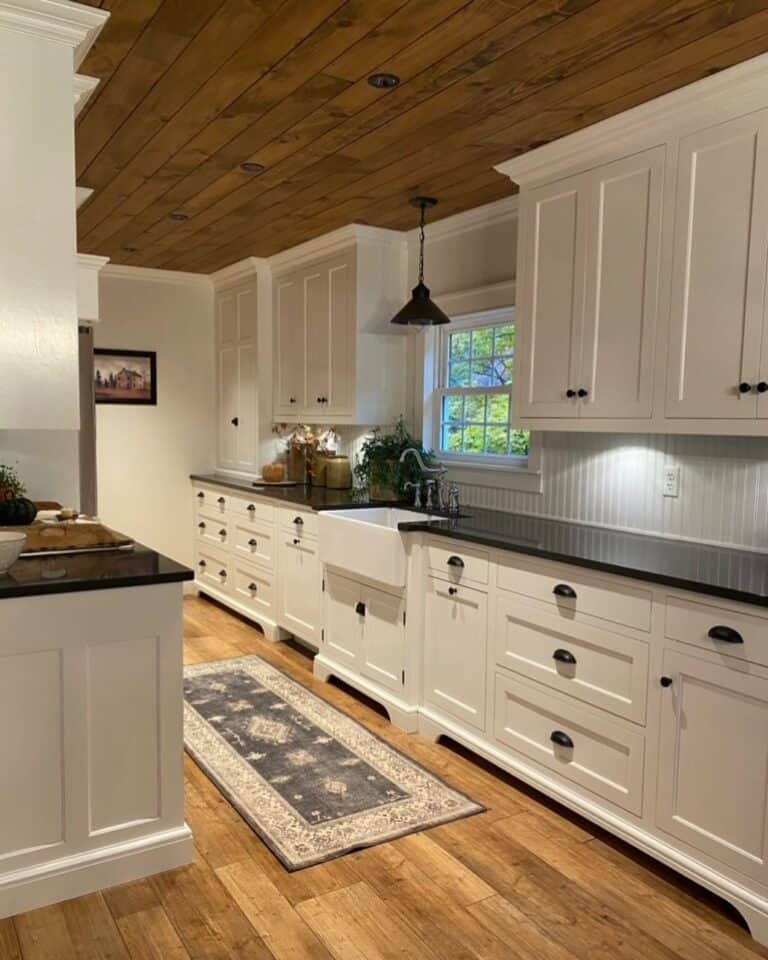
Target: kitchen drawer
[
  {"x": 249, "y": 509},
  {"x": 254, "y": 542},
  {"x": 457, "y": 563},
  {"x": 211, "y": 528},
  {"x": 573, "y": 592},
  {"x": 576, "y": 658},
  {"x": 299, "y": 522},
  {"x": 212, "y": 569},
  {"x": 745, "y": 636},
  {"x": 212, "y": 501},
  {"x": 253, "y": 587},
  {"x": 596, "y": 751}
]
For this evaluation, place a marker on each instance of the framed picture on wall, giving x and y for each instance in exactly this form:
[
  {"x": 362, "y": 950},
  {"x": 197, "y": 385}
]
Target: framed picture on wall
[{"x": 125, "y": 376}]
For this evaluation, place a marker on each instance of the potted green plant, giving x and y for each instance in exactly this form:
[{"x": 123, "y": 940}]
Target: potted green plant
[
  {"x": 379, "y": 468},
  {"x": 11, "y": 487}
]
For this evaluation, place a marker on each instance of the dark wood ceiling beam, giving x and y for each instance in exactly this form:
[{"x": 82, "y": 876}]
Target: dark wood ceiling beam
[{"x": 450, "y": 133}]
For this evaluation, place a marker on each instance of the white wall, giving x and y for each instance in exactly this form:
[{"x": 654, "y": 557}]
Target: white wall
[
  {"x": 47, "y": 462},
  {"x": 607, "y": 479},
  {"x": 145, "y": 454}
]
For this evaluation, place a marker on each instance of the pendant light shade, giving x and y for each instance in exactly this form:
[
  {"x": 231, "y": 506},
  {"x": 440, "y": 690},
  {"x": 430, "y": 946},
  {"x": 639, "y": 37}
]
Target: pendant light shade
[{"x": 420, "y": 311}]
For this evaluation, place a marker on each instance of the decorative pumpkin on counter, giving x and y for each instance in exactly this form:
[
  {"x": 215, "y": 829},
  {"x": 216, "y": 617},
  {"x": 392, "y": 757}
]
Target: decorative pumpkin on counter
[{"x": 18, "y": 512}]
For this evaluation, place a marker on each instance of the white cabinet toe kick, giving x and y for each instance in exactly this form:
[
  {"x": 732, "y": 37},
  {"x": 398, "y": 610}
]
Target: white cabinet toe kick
[{"x": 630, "y": 703}]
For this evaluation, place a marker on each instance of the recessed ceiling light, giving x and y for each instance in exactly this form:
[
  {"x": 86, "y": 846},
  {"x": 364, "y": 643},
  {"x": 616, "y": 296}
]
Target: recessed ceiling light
[
  {"x": 250, "y": 167},
  {"x": 384, "y": 81},
  {"x": 178, "y": 216}
]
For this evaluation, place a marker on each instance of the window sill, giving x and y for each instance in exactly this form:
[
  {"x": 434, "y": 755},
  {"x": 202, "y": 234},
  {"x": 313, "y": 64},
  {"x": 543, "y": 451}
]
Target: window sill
[{"x": 502, "y": 476}]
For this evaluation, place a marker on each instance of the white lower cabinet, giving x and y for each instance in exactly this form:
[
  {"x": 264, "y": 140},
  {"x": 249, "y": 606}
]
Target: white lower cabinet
[
  {"x": 713, "y": 760},
  {"x": 299, "y": 571},
  {"x": 365, "y": 630},
  {"x": 253, "y": 587},
  {"x": 455, "y": 640}
]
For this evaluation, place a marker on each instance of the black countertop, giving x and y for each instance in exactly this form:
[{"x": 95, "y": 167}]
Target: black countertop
[
  {"x": 718, "y": 571},
  {"x": 102, "y": 570}
]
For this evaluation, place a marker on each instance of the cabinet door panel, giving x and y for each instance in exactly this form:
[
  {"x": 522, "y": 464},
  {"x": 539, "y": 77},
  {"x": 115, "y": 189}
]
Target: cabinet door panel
[
  {"x": 246, "y": 430},
  {"x": 383, "y": 651},
  {"x": 318, "y": 334},
  {"x": 622, "y": 287},
  {"x": 299, "y": 587},
  {"x": 289, "y": 344},
  {"x": 552, "y": 273},
  {"x": 343, "y": 624},
  {"x": 455, "y": 639},
  {"x": 713, "y": 762},
  {"x": 718, "y": 271},
  {"x": 342, "y": 340}
]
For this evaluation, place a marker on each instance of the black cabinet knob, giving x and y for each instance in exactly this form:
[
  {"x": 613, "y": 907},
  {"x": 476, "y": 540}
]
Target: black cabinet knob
[
  {"x": 291, "y": 399},
  {"x": 235, "y": 421},
  {"x": 298, "y": 521},
  {"x": 201, "y": 496},
  {"x": 725, "y": 634},
  {"x": 582, "y": 392},
  {"x": 745, "y": 387},
  {"x": 250, "y": 508},
  {"x": 296, "y": 541},
  {"x": 360, "y": 608},
  {"x": 453, "y": 591},
  {"x": 563, "y": 590},
  {"x": 762, "y": 386},
  {"x": 665, "y": 681},
  {"x": 252, "y": 587},
  {"x": 222, "y": 533},
  {"x": 564, "y": 656},
  {"x": 253, "y": 543},
  {"x": 201, "y": 525},
  {"x": 570, "y": 393},
  {"x": 223, "y": 574},
  {"x": 202, "y": 563},
  {"x": 561, "y": 739},
  {"x": 455, "y": 561},
  {"x": 221, "y": 500}
]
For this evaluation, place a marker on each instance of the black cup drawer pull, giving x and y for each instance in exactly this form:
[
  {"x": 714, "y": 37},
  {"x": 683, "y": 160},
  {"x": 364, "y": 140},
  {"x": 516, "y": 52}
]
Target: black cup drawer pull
[
  {"x": 202, "y": 563},
  {"x": 298, "y": 521},
  {"x": 563, "y": 656},
  {"x": 563, "y": 590},
  {"x": 221, "y": 500},
  {"x": 252, "y": 587},
  {"x": 250, "y": 508},
  {"x": 222, "y": 533},
  {"x": 725, "y": 634},
  {"x": 561, "y": 739},
  {"x": 201, "y": 525},
  {"x": 455, "y": 561},
  {"x": 360, "y": 608},
  {"x": 223, "y": 574},
  {"x": 253, "y": 543}
]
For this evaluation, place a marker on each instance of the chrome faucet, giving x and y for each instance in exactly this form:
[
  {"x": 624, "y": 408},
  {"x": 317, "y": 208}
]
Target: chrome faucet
[
  {"x": 439, "y": 470},
  {"x": 433, "y": 483},
  {"x": 411, "y": 485}
]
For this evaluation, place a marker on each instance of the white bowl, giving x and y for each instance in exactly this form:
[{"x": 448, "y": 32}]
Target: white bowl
[{"x": 11, "y": 545}]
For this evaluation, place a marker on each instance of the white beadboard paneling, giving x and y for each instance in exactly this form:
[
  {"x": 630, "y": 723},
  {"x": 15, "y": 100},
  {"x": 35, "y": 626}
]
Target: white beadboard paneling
[{"x": 615, "y": 480}]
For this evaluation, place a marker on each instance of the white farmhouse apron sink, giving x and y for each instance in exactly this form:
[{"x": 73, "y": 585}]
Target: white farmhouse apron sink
[{"x": 366, "y": 542}]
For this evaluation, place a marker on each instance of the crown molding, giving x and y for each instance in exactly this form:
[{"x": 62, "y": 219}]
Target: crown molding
[
  {"x": 334, "y": 242},
  {"x": 83, "y": 87},
  {"x": 739, "y": 90},
  {"x": 122, "y": 271},
  {"x": 244, "y": 269},
  {"x": 490, "y": 297},
  {"x": 474, "y": 219},
  {"x": 82, "y": 194},
  {"x": 73, "y": 24},
  {"x": 89, "y": 261}
]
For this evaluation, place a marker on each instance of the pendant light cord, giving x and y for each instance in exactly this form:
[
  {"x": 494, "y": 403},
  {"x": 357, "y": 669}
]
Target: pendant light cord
[{"x": 421, "y": 245}]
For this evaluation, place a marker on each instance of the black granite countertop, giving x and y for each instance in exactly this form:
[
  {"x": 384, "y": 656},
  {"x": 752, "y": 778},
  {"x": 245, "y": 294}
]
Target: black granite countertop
[
  {"x": 718, "y": 571},
  {"x": 102, "y": 570}
]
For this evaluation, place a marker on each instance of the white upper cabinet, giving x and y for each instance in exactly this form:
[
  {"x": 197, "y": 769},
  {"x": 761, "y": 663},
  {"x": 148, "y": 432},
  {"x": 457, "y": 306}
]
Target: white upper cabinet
[
  {"x": 588, "y": 281},
  {"x": 237, "y": 373},
  {"x": 337, "y": 360},
  {"x": 717, "y": 318}
]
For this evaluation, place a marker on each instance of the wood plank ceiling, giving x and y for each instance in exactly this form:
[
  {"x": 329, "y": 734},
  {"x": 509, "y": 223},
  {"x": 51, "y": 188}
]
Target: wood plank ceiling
[{"x": 192, "y": 89}]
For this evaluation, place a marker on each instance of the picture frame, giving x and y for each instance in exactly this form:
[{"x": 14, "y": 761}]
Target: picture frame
[{"x": 125, "y": 376}]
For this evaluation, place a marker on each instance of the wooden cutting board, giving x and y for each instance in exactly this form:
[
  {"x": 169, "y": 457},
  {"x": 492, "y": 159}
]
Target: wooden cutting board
[{"x": 44, "y": 537}]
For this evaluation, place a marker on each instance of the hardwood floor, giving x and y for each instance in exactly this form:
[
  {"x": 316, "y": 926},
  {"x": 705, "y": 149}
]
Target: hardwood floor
[{"x": 525, "y": 881}]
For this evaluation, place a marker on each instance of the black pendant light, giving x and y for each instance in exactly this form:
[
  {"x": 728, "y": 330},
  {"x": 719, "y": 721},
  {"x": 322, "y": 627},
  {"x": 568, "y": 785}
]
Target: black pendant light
[{"x": 420, "y": 311}]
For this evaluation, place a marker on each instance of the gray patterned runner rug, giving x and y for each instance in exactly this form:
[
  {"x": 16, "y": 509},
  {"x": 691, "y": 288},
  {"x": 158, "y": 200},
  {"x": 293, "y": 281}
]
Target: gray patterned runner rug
[{"x": 313, "y": 783}]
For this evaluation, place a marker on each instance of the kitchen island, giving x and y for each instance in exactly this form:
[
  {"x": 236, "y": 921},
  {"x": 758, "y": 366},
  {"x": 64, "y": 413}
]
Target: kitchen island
[{"x": 91, "y": 720}]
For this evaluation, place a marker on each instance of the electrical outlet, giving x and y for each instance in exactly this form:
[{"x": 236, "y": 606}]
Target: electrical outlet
[{"x": 671, "y": 482}]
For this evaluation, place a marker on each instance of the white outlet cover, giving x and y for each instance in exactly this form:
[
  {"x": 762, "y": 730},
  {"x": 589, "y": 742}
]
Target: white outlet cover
[{"x": 671, "y": 482}]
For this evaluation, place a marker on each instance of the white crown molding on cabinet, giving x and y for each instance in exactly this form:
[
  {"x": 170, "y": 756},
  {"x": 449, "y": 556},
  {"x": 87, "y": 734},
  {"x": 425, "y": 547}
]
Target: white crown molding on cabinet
[
  {"x": 83, "y": 87},
  {"x": 235, "y": 272},
  {"x": 734, "y": 92},
  {"x": 491, "y": 296},
  {"x": 332, "y": 243},
  {"x": 73, "y": 24},
  {"x": 478, "y": 218},
  {"x": 82, "y": 194},
  {"x": 121, "y": 271}
]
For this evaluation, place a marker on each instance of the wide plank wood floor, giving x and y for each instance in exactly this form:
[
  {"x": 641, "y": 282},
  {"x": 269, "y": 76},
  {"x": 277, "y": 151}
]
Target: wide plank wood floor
[{"x": 525, "y": 881}]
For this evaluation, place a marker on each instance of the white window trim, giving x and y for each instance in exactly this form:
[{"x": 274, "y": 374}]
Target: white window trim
[{"x": 509, "y": 473}]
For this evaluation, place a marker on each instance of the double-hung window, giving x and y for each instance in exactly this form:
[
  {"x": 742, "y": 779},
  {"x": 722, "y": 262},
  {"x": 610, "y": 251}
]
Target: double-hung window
[{"x": 473, "y": 412}]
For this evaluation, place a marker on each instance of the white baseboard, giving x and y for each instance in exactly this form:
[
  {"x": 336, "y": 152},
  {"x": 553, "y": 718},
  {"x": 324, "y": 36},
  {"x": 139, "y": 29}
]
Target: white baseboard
[{"x": 76, "y": 875}]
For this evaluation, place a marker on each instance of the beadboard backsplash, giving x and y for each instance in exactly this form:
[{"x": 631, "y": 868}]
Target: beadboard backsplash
[{"x": 615, "y": 480}]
